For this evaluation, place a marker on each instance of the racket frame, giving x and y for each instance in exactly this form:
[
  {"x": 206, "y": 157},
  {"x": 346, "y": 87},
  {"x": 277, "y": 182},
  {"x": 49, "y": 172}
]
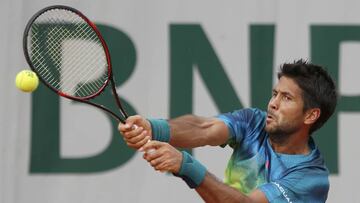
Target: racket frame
[{"x": 107, "y": 53}]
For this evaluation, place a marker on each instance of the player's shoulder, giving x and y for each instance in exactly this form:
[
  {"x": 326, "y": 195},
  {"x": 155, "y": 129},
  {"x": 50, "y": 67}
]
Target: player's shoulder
[
  {"x": 244, "y": 122},
  {"x": 246, "y": 114}
]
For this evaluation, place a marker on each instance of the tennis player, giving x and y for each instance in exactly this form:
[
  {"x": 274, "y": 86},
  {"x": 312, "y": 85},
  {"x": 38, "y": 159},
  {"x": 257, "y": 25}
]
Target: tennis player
[{"x": 274, "y": 156}]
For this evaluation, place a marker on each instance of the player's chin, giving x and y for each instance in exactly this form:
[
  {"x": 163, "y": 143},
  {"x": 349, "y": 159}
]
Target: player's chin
[{"x": 270, "y": 128}]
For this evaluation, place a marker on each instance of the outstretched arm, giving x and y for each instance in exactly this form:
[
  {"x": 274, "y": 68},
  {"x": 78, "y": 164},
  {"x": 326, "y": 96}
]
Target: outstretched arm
[
  {"x": 187, "y": 131},
  {"x": 191, "y": 131}
]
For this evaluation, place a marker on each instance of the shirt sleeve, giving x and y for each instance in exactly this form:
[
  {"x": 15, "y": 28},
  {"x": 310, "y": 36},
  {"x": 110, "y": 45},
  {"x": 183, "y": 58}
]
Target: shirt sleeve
[
  {"x": 242, "y": 123},
  {"x": 299, "y": 186}
]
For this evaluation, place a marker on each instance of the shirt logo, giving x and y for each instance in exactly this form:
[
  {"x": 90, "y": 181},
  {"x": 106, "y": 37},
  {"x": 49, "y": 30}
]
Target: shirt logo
[{"x": 283, "y": 191}]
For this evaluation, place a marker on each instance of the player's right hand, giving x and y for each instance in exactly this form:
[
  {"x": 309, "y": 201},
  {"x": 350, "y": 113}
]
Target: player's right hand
[
  {"x": 163, "y": 156},
  {"x": 136, "y": 131}
]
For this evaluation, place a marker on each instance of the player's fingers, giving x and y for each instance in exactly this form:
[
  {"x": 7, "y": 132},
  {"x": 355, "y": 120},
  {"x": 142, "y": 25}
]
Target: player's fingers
[
  {"x": 123, "y": 128},
  {"x": 162, "y": 166},
  {"x": 138, "y": 144},
  {"x": 134, "y": 121},
  {"x": 136, "y": 137},
  {"x": 133, "y": 133},
  {"x": 129, "y": 123},
  {"x": 155, "y": 160},
  {"x": 151, "y": 145},
  {"x": 152, "y": 154}
]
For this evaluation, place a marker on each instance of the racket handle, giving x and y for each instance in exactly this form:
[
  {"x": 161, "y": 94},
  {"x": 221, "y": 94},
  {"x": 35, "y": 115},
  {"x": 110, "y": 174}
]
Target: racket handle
[{"x": 134, "y": 127}]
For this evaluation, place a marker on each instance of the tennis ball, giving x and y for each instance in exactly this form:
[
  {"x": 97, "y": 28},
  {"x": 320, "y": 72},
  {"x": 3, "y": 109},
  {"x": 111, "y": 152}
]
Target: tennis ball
[{"x": 27, "y": 81}]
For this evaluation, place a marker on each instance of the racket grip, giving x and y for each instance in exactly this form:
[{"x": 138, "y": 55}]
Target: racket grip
[{"x": 134, "y": 127}]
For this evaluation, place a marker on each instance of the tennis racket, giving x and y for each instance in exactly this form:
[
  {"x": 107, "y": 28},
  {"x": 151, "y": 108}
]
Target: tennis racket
[{"x": 69, "y": 55}]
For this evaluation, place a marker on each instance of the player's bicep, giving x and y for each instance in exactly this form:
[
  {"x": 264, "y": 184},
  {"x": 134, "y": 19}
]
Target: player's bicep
[{"x": 218, "y": 132}]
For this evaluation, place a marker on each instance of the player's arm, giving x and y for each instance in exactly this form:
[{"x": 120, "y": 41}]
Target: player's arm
[
  {"x": 187, "y": 131},
  {"x": 165, "y": 157},
  {"x": 191, "y": 131},
  {"x": 212, "y": 190}
]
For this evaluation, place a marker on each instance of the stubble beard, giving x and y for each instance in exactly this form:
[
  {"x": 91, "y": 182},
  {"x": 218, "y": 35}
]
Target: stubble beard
[{"x": 280, "y": 133}]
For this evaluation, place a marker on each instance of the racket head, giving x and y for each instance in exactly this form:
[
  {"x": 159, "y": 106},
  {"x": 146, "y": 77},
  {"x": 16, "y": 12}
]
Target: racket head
[{"x": 67, "y": 52}]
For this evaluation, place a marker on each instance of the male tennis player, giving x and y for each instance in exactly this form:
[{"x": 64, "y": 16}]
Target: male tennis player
[{"x": 275, "y": 158}]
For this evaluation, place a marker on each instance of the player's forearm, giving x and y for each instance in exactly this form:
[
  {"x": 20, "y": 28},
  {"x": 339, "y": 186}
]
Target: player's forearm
[
  {"x": 212, "y": 190},
  {"x": 191, "y": 131}
]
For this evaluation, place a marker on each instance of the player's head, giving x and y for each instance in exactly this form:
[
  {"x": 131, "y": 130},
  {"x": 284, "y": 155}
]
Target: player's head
[{"x": 318, "y": 88}]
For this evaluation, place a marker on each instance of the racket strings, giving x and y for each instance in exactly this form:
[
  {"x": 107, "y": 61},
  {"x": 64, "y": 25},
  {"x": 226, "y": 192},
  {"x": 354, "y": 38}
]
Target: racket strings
[
  {"x": 52, "y": 47},
  {"x": 37, "y": 59},
  {"x": 67, "y": 53},
  {"x": 77, "y": 69},
  {"x": 83, "y": 34}
]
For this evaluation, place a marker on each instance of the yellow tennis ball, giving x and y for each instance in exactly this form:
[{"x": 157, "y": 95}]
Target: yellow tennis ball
[{"x": 27, "y": 81}]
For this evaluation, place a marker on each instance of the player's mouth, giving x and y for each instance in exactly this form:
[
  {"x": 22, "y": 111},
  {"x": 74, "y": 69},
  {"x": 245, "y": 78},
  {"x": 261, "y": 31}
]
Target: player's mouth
[{"x": 270, "y": 117}]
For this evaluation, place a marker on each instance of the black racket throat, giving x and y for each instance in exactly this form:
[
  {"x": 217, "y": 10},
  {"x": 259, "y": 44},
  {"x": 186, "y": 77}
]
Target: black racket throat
[
  {"x": 117, "y": 99},
  {"x": 102, "y": 107}
]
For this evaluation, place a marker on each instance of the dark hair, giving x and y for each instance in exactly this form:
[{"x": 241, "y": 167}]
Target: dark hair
[{"x": 318, "y": 88}]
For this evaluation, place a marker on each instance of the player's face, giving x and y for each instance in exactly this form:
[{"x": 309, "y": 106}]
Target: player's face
[{"x": 285, "y": 109}]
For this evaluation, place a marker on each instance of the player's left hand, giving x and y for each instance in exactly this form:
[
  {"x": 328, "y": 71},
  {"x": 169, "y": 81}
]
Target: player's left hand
[
  {"x": 136, "y": 132},
  {"x": 162, "y": 156}
]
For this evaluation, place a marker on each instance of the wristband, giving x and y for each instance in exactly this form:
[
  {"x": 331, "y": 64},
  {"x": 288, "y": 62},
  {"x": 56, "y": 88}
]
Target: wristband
[
  {"x": 160, "y": 130},
  {"x": 191, "y": 171}
]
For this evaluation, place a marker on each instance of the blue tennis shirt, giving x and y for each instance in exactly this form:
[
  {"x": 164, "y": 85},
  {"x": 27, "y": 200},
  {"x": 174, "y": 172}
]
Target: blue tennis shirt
[{"x": 255, "y": 165}]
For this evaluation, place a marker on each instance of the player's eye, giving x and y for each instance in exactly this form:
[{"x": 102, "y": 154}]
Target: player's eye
[{"x": 287, "y": 98}]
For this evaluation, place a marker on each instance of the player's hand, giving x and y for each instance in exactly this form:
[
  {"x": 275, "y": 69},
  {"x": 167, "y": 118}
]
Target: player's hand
[
  {"x": 162, "y": 157},
  {"x": 136, "y": 131}
]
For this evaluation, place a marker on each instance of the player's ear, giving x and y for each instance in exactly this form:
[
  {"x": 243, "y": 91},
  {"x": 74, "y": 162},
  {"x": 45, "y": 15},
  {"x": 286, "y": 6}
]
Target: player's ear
[{"x": 312, "y": 115}]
